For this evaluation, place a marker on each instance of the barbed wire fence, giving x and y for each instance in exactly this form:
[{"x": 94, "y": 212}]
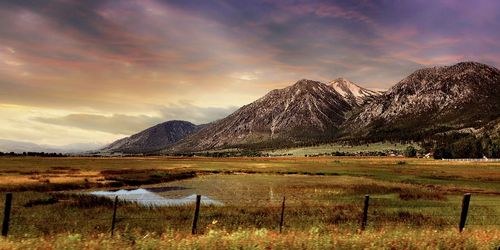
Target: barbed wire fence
[{"x": 368, "y": 210}]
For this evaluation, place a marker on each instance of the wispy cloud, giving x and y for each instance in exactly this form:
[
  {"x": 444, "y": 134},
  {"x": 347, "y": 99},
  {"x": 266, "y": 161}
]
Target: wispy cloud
[{"x": 114, "y": 124}]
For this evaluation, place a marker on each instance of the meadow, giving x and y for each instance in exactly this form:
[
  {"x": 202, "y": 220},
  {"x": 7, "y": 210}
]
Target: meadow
[
  {"x": 414, "y": 203},
  {"x": 349, "y": 149}
]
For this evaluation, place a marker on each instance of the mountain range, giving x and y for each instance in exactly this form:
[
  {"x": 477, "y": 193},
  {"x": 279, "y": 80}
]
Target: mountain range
[
  {"x": 461, "y": 97},
  {"x": 20, "y": 147}
]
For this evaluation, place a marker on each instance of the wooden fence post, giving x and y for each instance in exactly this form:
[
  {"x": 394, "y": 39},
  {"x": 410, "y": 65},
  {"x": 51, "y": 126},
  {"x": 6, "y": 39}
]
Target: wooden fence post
[
  {"x": 113, "y": 221},
  {"x": 196, "y": 213},
  {"x": 282, "y": 214},
  {"x": 465, "y": 210},
  {"x": 6, "y": 214},
  {"x": 365, "y": 213}
]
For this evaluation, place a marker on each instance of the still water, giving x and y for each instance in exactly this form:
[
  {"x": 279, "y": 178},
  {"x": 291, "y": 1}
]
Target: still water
[{"x": 148, "y": 198}]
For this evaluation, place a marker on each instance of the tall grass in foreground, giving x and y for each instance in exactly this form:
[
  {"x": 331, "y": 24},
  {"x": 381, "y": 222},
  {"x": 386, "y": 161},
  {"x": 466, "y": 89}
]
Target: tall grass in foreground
[
  {"x": 92, "y": 216},
  {"x": 314, "y": 238}
]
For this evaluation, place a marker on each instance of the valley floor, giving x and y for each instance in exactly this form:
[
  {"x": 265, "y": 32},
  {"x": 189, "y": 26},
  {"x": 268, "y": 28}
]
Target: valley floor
[{"x": 414, "y": 203}]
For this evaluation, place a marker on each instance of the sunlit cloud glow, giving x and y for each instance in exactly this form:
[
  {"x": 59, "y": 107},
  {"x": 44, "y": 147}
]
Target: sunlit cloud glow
[{"x": 98, "y": 70}]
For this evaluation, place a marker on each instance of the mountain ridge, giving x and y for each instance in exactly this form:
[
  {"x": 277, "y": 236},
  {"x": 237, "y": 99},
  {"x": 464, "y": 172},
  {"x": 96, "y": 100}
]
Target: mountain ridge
[{"x": 430, "y": 100}]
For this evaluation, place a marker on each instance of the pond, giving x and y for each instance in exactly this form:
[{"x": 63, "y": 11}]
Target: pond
[
  {"x": 149, "y": 198},
  {"x": 241, "y": 190}
]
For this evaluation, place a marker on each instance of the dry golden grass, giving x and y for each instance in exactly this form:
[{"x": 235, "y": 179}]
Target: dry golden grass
[
  {"x": 314, "y": 238},
  {"x": 466, "y": 176}
]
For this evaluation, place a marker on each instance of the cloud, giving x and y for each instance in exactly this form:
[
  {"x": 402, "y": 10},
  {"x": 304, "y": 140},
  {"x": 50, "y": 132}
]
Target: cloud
[
  {"x": 131, "y": 124},
  {"x": 79, "y": 23},
  {"x": 158, "y": 44},
  {"x": 245, "y": 76},
  {"x": 326, "y": 9},
  {"x": 12, "y": 63},
  {"x": 17, "y": 123},
  {"x": 196, "y": 114},
  {"x": 114, "y": 124}
]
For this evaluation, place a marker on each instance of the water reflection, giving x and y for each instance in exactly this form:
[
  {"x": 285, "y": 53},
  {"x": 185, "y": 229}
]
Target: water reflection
[{"x": 148, "y": 198}]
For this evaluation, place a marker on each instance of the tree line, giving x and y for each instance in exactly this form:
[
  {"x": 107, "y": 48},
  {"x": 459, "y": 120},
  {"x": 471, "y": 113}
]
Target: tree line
[
  {"x": 38, "y": 154},
  {"x": 468, "y": 146}
]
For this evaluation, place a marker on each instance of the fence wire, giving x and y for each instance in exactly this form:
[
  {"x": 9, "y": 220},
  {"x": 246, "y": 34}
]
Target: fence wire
[{"x": 234, "y": 212}]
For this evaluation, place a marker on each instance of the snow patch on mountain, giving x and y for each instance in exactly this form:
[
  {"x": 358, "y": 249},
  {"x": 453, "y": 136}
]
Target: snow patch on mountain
[{"x": 352, "y": 91}]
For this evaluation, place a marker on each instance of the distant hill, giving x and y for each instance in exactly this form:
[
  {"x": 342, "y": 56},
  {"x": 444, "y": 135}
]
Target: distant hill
[
  {"x": 153, "y": 139},
  {"x": 20, "y": 147}
]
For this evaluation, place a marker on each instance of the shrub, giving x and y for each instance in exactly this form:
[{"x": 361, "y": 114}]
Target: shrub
[
  {"x": 416, "y": 194},
  {"x": 41, "y": 201}
]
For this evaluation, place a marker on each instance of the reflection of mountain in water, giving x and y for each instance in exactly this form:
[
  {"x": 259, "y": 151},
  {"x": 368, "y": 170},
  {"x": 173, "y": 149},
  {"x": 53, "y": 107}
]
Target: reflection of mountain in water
[{"x": 147, "y": 198}]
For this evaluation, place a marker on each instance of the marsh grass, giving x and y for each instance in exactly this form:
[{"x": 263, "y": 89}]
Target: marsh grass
[
  {"x": 479, "y": 175},
  {"x": 110, "y": 178},
  {"x": 416, "y": 194},
  {"x": 133, "y": 177}
]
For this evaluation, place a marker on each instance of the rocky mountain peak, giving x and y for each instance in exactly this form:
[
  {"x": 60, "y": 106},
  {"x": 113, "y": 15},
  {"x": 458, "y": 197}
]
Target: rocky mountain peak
[
  {"x": 306, "y": 84},
  {"x": 341, "y": 80},
  {"x": 458, "y": 80},
  {"x": 352, "y": 92},
  {"x": 460, "y": 95}
]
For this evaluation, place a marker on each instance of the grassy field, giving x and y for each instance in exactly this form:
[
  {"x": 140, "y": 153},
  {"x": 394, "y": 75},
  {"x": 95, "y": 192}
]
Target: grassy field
[
  {"x": 330, "y": 148},
  {"x": 414, "y": 203}
]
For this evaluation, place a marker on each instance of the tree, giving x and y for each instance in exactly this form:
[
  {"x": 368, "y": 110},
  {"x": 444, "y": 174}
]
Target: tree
[
  {"x": 491, "y": 148},
  {"x": 410, "y": 151},
  {"x": 442, "y": 152},
  {"x": 468, "y": 147}
]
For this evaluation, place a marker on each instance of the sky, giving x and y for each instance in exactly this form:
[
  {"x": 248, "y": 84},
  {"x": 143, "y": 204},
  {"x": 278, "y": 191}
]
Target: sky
[{"x": 96, "y": 70}]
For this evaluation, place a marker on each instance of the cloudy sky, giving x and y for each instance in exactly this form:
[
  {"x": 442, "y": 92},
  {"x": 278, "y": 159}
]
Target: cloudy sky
[{"x": 94, "y": 71}]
